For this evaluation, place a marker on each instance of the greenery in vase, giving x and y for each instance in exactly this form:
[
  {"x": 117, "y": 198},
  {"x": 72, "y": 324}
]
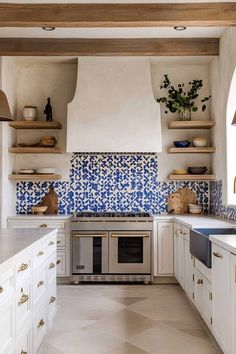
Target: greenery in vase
[{"x": 179, "y": 99}]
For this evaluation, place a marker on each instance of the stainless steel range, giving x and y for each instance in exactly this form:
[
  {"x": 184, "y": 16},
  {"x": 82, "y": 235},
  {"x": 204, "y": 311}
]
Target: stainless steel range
[{"x": 111, "y": 247}]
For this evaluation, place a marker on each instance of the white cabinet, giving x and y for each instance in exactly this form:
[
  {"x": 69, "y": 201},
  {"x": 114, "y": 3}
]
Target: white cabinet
[
  {"x": 179, "y": 262},
  {"x": 221, "y": 288},
  {"x": 189, "y": 270},
  {"x": 233, "y": 292},
  {"x": 63, "y": 237},
  {"x": 164, "y": 253}
]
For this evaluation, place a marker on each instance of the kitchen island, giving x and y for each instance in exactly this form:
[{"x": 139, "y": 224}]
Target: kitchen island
[{"x": 27, "y": 288}]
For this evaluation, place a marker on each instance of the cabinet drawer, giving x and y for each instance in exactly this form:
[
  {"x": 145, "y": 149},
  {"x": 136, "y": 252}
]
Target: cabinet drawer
[
  {"x": 23, "y": 306},
  {"x": 52, "y": 267},
  {"x": 51, "y": 224},
  {"x": 52, "y": 302},
  {"x": 39, "y": 326},
  {"x": 51, "y": 245},
  {"x": 6, "y": 325},
  {"x": 23, "y": 268},
  {"x": 61, "y": 240},
  {"x": 39, "y": 254},
  {"x": 24, "y": 343},
  {"x": 6, "y": 286},
  {"x": 61, "y": 263},
  {"x": 39, "y": 283}
]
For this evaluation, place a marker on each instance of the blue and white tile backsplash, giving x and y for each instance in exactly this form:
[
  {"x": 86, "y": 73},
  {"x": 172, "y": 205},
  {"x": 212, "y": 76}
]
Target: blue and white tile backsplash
[
  {"x": 114, "y": 182},
  {"x": 216, "y": 205}
]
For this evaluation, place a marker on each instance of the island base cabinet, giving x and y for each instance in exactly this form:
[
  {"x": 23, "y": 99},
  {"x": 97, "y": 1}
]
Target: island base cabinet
[
  {"x": 7, "y": 325},
  {"x": 203, "y": 296},
  {"x": 221, "y": 280},
  {"x": 24, "y": 343},
  {"x": 39, "y": 326}
]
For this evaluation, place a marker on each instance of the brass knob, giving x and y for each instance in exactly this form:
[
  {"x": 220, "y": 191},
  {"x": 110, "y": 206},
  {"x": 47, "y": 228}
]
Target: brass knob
[
  {"x": 51, "y": 243},
  {"x": 200, "y": 281},
  {"x": 23, "y": 267},
  {"x": 58, "y": 241},
  {"x": 43, "y": 225},
  {"x": 52, "y": 265},
  {"x": 217, "y": 254},
  {"x": 41, "y": 323},
  {"x": 58, "y": 261},
  {"x": 23, "y": 352},
  {"x": 52, "y": 300},
  {"x": 24, "y": 298},
  {"x": 40, "y": 283},
  {"x": 40, "y": 253},
  {"x": 1, "y": 289}
]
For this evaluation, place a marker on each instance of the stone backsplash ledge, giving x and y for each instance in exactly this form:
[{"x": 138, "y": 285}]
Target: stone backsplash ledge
[{"x": 114, "y": 182}]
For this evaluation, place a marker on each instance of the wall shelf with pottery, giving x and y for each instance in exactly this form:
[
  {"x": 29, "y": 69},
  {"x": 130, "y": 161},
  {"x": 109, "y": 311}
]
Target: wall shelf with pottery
[
  {"x": 189, "y": 177},
  {"x": 34, "y": 177},
  {"x": 191, "y": 124},
  {"x": 37, "y": 124},
  {"x": 192, "y": 150}
]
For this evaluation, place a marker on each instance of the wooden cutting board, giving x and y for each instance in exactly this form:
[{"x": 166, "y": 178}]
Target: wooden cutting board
[
  {"x": 178, "y": 202},
  {"x": 51, "y": 201}
]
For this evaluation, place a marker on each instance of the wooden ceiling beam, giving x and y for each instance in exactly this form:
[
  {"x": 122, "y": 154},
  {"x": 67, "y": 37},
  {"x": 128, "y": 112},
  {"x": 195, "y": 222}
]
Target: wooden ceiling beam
[
  {"x": 118, "y": 15},
  {"x": 109, "y": 47}
]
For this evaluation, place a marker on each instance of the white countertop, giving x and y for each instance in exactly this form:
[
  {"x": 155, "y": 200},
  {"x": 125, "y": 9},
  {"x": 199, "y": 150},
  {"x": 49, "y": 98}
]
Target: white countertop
[
  {"x": 35, "y": 216},
  {"x": 194, "y": 221},
  {"x": 227, "y": 242},
  {"x": 14, "y": 241}
]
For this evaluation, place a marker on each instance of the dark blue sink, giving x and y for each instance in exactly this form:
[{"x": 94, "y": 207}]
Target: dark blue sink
[{"x": 200, "y": 245}]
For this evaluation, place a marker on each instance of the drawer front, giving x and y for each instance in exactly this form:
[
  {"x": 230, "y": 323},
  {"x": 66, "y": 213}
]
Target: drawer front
[
  {"x": 6, "y": 325},
  {"x": 23, "y": 268},
  {"x": 39, "y": 326},
  {"x": 61, "y": 263},
  {"x": 51, "y": 224},
  {"x": 61, "y": 240},
  {"x": 6, "y": 286},
  {"x": 52, "y": 267},
  {"x": 40, "y": 254},
  {"x": 51, "y": 245},
  {"x": 39, "y": 284},
  {"x": 23, "y": 306},
  {"x": 24, "y": 343},
  {"x": 52, "y": 299}
]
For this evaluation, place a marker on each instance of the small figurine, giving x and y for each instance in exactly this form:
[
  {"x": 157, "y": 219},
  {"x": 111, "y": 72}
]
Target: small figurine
[{"x": 48, "y": 110}]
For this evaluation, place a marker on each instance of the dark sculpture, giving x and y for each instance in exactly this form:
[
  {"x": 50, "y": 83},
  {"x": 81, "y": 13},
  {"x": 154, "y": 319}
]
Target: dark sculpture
[{"x": 48, "y": 110}]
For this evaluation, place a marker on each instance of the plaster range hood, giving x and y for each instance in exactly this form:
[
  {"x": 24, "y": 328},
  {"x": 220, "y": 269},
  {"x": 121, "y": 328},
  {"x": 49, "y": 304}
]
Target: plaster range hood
[{"x": 114, "y": 109}]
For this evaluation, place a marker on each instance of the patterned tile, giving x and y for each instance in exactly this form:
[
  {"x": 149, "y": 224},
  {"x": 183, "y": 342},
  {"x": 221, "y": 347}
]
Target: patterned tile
[
  {"x": 216, "y": 205},
  {"x": 114, "y": 182}
]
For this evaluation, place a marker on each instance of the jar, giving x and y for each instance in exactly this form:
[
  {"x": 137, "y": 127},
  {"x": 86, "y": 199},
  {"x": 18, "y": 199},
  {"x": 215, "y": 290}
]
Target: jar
[{"x": 30, "y": 113}]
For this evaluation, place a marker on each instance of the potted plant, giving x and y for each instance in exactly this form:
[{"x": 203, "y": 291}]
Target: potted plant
[{"x": 181, "y": 100}]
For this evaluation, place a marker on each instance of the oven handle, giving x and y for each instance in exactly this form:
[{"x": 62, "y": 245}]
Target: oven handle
[
  {"x": 129, "y": 235},
  {"x": 91, "y": 235}
]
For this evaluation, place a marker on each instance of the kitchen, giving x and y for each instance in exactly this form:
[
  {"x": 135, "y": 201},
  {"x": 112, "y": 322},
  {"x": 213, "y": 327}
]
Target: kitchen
[{"x": 102, "y": 250}]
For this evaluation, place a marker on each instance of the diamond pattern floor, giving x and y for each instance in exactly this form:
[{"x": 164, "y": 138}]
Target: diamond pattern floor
[{"x": 126, "y": 319}]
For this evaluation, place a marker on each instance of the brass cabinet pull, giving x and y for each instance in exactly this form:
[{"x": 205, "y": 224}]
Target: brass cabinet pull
[
  {"x": 24, "y": 298},
  {"x": 43, "y": 225},
  {"x": 129, "y": 235},
  {"x": 52, "y": 300},
  {"x": 91, "y": 235},
  {"x": 58, "y": 261},
  {"x": 217, "y": 254},
  {"x": 41, "y": 323},
  {"x": 1, "y": 289},
  {"x": 23, "y": 267},
  {"x": 52, "y": 265},
  {"x": 58, "y": 241},
  {"x": 40, "y": 283},
  {"x": 23, "y": 352},
  {"x": 51, "y": 243},
  {"x": 200, "y": 281},
  {"x": 40, "y": 253}
]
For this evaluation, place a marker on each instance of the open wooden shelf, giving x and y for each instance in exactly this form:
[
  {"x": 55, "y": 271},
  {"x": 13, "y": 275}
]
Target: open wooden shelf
[
  {"x": 34, "y": 177},
  {"x": 191, "y": 177},
  {"x": 37, "y": 124},
  {"x": 192, "y": 150},
  {"x": 35, "y": 150},
  {"x": 191, "y": 124}
]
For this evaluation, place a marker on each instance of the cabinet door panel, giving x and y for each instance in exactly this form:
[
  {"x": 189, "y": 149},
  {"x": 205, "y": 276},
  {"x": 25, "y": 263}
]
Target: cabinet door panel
[
  {"x": 165, "y": 244},
  {"x": 188, "y": 266},
  {"x": 233, "y": 290},
  {"x": 6, "y": 325}
]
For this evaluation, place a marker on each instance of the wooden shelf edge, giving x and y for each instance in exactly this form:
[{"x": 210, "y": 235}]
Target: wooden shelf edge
[
  {"x": 35, "y": 150},
  {"x": 37, "y": 124},
  {"x": 191, "y": 177},
  {"x": 192, "y": 150},
  {"x": 35, "y": 177},
  {"x": 191, "y": 124}
]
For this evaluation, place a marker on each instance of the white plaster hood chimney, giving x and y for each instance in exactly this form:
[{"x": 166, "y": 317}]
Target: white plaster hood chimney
[{"x": 113, "y": 109}]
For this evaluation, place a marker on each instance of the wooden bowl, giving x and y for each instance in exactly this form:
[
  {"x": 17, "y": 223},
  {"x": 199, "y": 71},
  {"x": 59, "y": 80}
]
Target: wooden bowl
[{"x": 39, "y": 210}]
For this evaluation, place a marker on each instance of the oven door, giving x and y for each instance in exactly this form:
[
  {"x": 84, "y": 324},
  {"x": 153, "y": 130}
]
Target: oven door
[
  {"x": 89, "y": 252},
  {"x": 129, "y": 252}
]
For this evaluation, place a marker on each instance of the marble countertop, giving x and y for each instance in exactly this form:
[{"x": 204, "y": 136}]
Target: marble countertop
[
  {"x": 14, "y": 241},
  {"x": 227, "y": 242}
]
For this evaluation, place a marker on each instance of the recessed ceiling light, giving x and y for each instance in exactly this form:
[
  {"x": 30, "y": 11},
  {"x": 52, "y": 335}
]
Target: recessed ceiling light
[
  {"x": 180, "y": 28},
  {"x": 48, "y": 28}
]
